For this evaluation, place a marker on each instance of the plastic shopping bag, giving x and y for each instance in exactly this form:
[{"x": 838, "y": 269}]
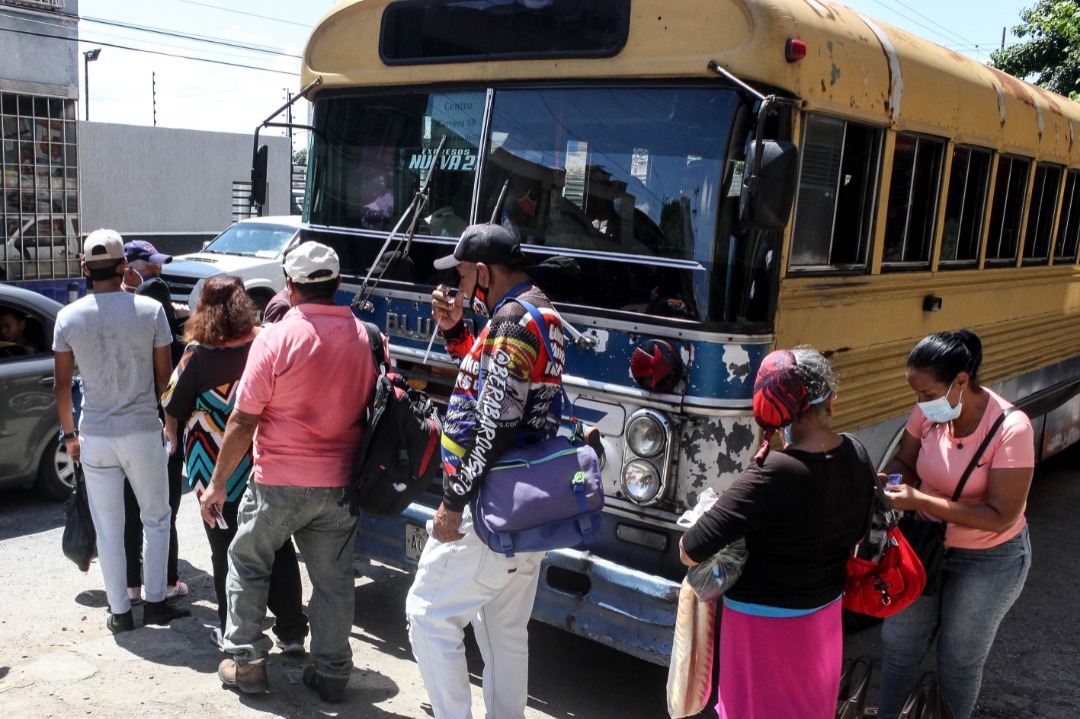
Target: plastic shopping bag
[
  {"x": 718, "y": 573},
  {"x": 80, "y": 539}
]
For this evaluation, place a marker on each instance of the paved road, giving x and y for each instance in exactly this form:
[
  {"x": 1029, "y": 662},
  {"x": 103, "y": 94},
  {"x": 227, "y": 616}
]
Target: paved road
[{"x": 57, "y": 660}]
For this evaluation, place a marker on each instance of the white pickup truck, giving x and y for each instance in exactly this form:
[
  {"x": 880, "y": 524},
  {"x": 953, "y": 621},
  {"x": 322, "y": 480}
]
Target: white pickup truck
[
  {"x": 251, "y": 250},
  {"x": 40, "y": 246}
]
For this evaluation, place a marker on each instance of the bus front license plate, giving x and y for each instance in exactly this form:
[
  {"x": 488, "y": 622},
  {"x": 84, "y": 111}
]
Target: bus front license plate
[{"x": 415, "y": 539}]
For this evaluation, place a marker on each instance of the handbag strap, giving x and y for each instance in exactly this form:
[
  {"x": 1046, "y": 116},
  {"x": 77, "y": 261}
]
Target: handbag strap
[
  {"x": 875, "y": 500},
  {"x": 979, "y": 452}
]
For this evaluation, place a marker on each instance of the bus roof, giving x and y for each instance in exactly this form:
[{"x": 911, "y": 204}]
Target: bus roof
[{"x": 854, "y": 66}]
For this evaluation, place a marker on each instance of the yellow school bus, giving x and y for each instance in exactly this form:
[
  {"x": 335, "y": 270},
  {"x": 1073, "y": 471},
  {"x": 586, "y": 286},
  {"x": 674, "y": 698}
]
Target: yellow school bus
[{"x": 696, "y": 183}]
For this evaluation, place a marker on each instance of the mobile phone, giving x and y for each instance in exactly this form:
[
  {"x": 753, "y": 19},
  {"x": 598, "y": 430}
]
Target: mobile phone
[
  {"x": 895, "y": 479},
  {"x": 219, "y": 520}
]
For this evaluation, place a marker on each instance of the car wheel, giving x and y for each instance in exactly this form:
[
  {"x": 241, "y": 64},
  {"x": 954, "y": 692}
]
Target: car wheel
[
  {"x": 56, "y": 473},
  {"x": 260, "y": 300}
]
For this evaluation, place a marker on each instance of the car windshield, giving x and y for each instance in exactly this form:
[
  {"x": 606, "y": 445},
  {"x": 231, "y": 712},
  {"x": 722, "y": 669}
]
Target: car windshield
[{"x": 253, "y": 239}]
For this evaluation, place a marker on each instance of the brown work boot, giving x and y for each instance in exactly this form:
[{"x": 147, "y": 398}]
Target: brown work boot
[{"x": 249, "y": 678}]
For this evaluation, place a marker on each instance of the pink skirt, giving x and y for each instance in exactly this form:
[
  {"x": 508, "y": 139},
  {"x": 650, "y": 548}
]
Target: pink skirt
[{"x": 780, "y": 667}]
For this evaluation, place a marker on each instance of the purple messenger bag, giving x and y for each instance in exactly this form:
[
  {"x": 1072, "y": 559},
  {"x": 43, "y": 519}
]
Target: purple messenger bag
[{"x": 543, "y": 496}]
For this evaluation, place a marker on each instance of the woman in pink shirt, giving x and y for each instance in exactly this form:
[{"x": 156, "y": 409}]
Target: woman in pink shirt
[{"x": 987, "y": 547}]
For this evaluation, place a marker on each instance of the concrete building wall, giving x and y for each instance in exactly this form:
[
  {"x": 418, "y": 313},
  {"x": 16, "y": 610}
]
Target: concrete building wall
[
  {"x": 32, "y": 64},
  {"x": 152, "y": 180}
]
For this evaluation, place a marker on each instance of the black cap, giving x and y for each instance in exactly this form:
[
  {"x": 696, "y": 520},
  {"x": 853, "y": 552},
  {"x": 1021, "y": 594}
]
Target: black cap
[{"x": 490, "y": 244}]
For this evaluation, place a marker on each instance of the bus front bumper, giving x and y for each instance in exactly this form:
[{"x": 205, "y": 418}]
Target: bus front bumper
[{"x": 628, "y": 610}]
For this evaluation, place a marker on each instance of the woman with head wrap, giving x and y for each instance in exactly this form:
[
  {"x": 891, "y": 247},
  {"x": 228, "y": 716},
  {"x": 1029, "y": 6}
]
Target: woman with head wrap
[{"x": 801, "y": 510}]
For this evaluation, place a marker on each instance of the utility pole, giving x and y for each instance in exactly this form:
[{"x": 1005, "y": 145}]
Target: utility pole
[
  {"x": 153, "y": 94},
  {"x": 288, "y": 116}
]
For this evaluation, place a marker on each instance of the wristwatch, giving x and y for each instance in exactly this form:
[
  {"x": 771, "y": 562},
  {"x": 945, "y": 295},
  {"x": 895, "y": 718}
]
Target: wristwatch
[{"x": 69, "y": 435}]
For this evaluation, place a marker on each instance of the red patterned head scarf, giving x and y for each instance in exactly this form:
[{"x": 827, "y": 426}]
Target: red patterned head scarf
[{"x": 779, "y": 396}]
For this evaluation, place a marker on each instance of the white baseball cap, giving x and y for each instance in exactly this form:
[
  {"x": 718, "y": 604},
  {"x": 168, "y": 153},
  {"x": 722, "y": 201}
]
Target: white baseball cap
[
  {"x": 103, "y": 245},
  {"x": 312, "y": 262}
]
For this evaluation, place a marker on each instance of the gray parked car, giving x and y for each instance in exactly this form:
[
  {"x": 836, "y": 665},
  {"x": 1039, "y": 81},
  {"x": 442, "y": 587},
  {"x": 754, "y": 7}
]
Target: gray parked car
[{"x": 31, "y": 452}]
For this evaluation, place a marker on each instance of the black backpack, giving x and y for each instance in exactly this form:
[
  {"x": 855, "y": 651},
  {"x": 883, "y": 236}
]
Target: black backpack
[{"x": 399, "y": 456}]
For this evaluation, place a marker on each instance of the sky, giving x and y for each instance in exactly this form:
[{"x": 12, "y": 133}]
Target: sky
[{"x": 125, "y": 84}]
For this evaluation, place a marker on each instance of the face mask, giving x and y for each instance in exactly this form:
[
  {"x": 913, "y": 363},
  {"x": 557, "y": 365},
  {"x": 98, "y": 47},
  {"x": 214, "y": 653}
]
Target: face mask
[
  {"x": 939, "y": 410},
  {"x": 819, "y": 400},
  {"x": 479, "y": 299}
]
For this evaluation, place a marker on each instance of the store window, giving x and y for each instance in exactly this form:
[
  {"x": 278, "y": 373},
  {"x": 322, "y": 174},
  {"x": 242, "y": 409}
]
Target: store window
[
  {"x": 837, "y": 189},
  {"x": 38, "y": 162}
]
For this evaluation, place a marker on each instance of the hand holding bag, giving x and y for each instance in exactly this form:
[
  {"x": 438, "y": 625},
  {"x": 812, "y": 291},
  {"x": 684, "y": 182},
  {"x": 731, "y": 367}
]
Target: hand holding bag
[
  {"x": 80, "y": 538},
  {"x": 717, "y": 574},
  {"x": 880, "y": 581},
  {"x": 927, "y": 537}
]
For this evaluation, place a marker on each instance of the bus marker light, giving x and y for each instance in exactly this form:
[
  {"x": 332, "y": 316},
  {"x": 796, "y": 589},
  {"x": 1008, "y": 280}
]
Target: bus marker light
[
  {"x": 794, "y": 50},
  {"x": 931, "y": 303}
]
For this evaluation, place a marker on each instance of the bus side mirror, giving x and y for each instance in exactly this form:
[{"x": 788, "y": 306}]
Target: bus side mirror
[
  {"x": 768, "y": 185},
  {"x": 258, "y": 176}
]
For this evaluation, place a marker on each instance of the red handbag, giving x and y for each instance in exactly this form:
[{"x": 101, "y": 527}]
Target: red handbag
[{"x": 884, "y": 587}]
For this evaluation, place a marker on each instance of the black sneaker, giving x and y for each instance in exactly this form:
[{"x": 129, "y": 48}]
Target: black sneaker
[
  {"x": 120, "y": 622},
  {"x": 161, "y": 613},
  {"x": 331, "y": 691}
]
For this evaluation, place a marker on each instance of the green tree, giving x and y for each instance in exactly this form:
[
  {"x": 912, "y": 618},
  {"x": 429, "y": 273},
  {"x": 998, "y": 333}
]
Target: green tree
[
  {"x": 1050, "y": 52},
  {"x": 300, "y": 157}
]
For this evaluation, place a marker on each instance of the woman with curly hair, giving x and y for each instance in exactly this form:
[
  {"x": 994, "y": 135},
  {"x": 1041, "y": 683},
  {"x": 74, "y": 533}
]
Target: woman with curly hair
[{"x": 200, "y": 398}]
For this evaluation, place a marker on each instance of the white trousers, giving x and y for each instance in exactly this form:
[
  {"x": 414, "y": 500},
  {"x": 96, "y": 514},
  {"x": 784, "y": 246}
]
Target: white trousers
[
  {"x": 142, "y": 459},
  {"x": 461, "y": 582}
]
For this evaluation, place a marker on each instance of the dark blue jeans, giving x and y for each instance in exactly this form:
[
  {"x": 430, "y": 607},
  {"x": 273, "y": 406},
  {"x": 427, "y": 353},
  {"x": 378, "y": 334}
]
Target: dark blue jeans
[{"x": 979, "y": 588}]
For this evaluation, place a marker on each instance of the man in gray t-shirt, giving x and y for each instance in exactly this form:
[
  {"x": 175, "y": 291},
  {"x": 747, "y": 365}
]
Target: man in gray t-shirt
[{"x": 121, "y": 343}]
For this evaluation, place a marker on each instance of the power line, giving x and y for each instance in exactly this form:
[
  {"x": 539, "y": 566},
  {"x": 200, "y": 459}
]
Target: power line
[
  {"x": 153, "y": 52},
  {"x": 194, "y": 38},
  {"x": 919, "y": 24},
  {"x": 249, "y": 14},
  {"x": 935, "y": 22}
]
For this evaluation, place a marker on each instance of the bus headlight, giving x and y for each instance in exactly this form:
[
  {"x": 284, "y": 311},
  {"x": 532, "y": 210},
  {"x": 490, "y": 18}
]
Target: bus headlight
[
  {"x": 640, "y": 480},
  {"x": 645, "y": 436}
]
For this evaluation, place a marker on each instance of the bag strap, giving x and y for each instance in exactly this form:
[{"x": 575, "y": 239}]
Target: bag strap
[
  {"x": 979, "y": 452},
  {"x": 541, "y": 325},
  {"x": 375, "y": 339},
  {"x": 875, "y": 500}
]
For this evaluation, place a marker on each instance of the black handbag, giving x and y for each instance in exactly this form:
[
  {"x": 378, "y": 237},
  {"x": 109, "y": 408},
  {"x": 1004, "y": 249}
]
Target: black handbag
[
  {"x": 854, "y": 686},
  {"x": 926, "y": 701},
  {"x": 80, "y": 539},
  {"x": 927, "y": 537}
]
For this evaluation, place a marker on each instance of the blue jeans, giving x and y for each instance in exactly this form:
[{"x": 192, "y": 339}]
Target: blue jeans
[
  {"x": 979, "y": 588},
  {"x": 324, "y": 532}
]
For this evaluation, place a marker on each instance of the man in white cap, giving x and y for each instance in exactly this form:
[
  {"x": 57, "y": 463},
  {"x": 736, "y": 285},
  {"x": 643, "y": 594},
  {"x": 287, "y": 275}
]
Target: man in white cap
[
  {"x": 121, "y": 342},
  {"x": 303, "y": 399}
]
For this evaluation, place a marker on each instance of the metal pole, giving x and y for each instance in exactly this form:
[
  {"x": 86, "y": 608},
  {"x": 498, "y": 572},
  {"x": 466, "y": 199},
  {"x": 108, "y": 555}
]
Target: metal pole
[{"x": 86, "y": 85}]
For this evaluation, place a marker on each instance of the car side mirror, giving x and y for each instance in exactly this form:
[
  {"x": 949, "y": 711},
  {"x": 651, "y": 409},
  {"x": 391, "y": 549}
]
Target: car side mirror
[{"x": 768, "y": 188}]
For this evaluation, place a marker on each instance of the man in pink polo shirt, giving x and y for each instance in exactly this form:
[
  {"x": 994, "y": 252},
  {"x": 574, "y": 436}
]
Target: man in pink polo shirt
[{"x": 304, "y": 445}]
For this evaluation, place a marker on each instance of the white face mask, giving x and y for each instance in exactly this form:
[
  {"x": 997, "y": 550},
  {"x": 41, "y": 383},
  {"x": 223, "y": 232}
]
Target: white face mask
[{"x": 939, "y": 410}]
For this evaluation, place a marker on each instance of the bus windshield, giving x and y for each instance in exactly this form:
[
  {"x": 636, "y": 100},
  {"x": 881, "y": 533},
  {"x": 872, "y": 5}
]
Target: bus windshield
[{"x": 625, "y": 197}]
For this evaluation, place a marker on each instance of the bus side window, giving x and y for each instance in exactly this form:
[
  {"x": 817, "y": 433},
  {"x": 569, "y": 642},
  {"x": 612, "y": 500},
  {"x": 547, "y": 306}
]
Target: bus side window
[
  {"x": 965, "y": 207},
  {"x": 912, "y": 201},
  {"x": 1040, "y": 224},
  {"x": 1010, "y": 191},
  {"x": 1069, "y": 227},
  {"x": 837, "y": 187}
]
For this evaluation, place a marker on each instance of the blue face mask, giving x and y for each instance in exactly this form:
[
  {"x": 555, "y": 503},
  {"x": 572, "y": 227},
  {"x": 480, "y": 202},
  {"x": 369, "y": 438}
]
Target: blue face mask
[
  {"x": 939, "y": 410},
  {"x": 819, "y": 400}
]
